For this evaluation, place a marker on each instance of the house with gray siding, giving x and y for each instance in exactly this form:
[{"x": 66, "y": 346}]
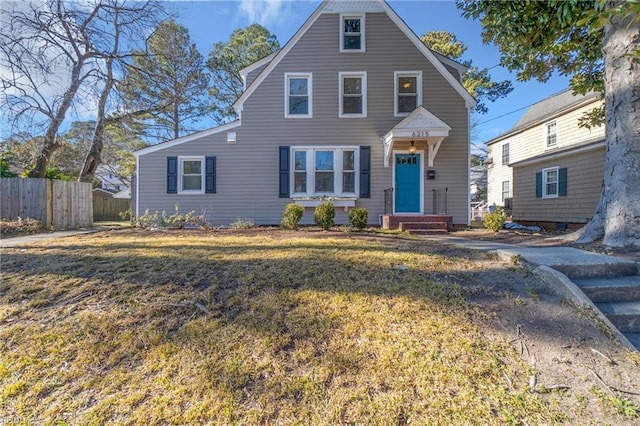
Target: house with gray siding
[
  {"x": 548, "y": 168},
  {"x": 354, "y": 109}
]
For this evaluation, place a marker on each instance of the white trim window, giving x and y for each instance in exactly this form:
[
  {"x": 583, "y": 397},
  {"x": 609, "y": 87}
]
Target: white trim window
[
  {"x": 506, "y": 190},
  {"x": 408, "y": 92},
  {"x": 191, "y": 175},
  {"x": 298, "y": 96},
  {"x": 550, "y": 180},
  {"x": 550, "y": 135},
  {"x": 353, "y": 94},
  {"x": 352, "y": 33},
  {"x": 324, "y": 171},
  {"x": 505, "y": 154}
]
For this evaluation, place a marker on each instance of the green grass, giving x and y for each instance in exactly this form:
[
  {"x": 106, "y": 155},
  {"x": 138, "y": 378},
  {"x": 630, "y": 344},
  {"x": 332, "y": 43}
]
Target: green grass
[{"x": 259, "y": 328}]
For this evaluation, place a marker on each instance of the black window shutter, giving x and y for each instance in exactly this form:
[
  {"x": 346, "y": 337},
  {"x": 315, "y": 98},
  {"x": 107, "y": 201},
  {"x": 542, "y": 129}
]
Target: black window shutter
[
  {"x": 562, "y": 182},
  {"x": 284, "y": 172},
  {"x": 365, "y": 172},
  {"x": 172, "y": 175},
  {"x": 210, "y": 175},
  {"x": 539, "y": 184}
]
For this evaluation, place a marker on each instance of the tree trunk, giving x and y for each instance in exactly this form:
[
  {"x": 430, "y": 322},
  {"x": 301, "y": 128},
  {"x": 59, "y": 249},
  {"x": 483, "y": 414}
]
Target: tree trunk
[{"x": 617, "y": 217}]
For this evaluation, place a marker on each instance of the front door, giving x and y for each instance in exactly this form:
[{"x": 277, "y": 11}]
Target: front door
[{"x": 407, "y": 191}]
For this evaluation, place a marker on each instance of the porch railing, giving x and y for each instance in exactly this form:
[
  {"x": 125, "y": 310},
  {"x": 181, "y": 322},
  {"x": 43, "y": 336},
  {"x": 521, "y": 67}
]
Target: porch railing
[
  {"x": 388, "y": 201},
  {"x": 439, "y": 200}
]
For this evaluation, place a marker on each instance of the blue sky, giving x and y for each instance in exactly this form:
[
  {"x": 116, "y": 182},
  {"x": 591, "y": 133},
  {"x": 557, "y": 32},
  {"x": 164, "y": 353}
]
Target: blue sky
[{"x": 212, "y": 21}]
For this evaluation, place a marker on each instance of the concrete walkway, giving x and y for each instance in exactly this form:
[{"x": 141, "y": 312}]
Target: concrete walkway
[
  {"x": 564, "y": 267},
  {"x": 27, "y": 239}
]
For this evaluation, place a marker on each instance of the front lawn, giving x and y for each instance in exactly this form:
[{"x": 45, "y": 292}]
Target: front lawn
[{"x": 258, "y": 327}]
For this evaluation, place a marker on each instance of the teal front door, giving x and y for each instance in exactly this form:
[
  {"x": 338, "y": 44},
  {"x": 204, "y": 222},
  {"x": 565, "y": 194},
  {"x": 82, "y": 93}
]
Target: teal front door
[{"x": 407, "y": 192}]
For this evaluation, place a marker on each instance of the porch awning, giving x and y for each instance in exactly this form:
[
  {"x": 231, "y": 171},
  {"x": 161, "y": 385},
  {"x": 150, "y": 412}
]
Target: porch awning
[{"x": 420, "y": 125}]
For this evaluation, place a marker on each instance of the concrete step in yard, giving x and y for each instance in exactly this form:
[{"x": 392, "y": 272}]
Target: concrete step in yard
[
  {"x": 620, "y": 289},
  {"x": 624, "y": 315},
  {"x": 424, "y": 228}
]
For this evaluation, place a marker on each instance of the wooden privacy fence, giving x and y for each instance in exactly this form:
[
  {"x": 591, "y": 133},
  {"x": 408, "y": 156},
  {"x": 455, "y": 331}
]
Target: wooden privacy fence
[
  {"x": 108, "y": 208},
  {"x": 57, "y": 204}
]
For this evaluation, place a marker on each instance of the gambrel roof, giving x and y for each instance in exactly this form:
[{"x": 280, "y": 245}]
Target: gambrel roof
[{"x": 371, "y": 6}]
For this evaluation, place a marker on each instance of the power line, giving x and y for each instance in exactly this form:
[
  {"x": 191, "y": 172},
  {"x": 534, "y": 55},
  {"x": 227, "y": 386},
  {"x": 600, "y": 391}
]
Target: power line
[{"x": 504, "y": 115}]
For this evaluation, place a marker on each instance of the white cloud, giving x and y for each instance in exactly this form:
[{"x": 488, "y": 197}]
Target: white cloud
[{"x": 265, "y": 12}]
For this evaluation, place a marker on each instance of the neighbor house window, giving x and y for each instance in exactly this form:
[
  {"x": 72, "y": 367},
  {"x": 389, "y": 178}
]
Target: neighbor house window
[
  {"x": 191, "y": 175},
  {"x": 506, "y": 193},
  {"x": 505, "y": 154},
  {"x": 324, "y": 171},
  {"x": 298, "y": 96},
  {"x": 408, "y": 92},
  {"x": 550, "y": 135},
  {"x": 352, "y": 33},
  {"x": 550, "y": 182},
  {"x": 353, "y": 94}
]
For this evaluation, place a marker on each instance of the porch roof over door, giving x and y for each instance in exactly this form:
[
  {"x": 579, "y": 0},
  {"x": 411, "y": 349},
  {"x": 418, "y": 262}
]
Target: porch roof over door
[{"x": 420, "y": 125}]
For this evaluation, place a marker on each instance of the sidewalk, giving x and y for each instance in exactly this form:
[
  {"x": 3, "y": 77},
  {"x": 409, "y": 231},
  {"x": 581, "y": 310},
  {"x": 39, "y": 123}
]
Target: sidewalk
[
  {"x": 27, "y": 239},
  {"x": 568, "y": 260}
]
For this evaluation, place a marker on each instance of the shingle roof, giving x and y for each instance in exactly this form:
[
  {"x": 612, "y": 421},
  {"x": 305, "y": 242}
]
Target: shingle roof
[
  {"x": 550, "y": 106},
  {"x": 547, "y": 108}
]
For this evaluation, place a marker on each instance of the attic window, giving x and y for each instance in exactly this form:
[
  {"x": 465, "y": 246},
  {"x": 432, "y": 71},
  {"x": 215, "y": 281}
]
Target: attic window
[{"x": 352, "y": 33}]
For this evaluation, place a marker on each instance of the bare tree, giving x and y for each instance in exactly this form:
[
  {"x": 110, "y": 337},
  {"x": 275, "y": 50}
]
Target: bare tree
[{"x": 54, "y": 53}]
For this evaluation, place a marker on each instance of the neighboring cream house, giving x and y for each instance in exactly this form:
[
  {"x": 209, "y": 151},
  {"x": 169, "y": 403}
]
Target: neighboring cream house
[
  {"x": 353, "y": 108},
  {"x": 547, "y": 169}
]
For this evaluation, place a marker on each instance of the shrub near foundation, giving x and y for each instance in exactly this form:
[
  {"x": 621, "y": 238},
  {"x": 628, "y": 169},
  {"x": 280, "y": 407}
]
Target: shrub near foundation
[
  {"x": 495, "y": 220},
  {"x": 358, "y": 218},
  {"x": 324, "y": 214},
  {"x": 292, "y": 215}
]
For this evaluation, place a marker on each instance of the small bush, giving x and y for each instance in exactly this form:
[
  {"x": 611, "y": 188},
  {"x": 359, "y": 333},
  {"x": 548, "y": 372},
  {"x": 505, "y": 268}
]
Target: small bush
[
  {"x": 358, "y": 218},
  {"x": 175, "y": 221},
  {"x": 324, "y": 214},
  {"x": 292, "y": 215},
  {"x": 243, "y": 223},
  {"x": 495, "y": 220}
]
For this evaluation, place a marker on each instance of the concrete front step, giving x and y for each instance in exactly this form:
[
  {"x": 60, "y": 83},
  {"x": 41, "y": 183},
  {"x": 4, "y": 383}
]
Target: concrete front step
[
  {"x": 624, "y": 315},
  {"x": 406, "y": 226},
  {"x": 427, "y": 231},
  {"x": 622, "y": 289}
]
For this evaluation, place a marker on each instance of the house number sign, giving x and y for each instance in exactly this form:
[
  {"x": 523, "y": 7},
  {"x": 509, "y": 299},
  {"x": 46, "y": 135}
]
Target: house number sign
[{"x": 420, "y": 134}]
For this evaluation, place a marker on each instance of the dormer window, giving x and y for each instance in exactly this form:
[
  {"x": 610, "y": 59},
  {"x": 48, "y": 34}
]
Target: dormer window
[{"x": 352, "y": 33}]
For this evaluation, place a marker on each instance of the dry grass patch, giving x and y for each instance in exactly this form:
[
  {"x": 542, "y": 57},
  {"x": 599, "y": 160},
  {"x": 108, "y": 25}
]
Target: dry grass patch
[{"x": 259, "y": 328}]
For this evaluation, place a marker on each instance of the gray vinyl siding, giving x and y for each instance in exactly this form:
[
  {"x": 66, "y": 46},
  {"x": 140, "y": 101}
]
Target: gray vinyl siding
[
  {"x": 247, "y": 172},
  {"x": 255, "y": 73},
  {"x": 585, "y": 173}
]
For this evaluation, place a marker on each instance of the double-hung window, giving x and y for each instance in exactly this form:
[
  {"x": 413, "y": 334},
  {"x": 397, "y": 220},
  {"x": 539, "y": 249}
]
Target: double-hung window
[
  {"x": 506, "y": 193},
  {"x": 191, "y": 175},
  {"x": 550, "y": 182},
  {"x": 505, "y": 154},
  {"x": 352, "y": 33},
  {"x": 353, "y": 94},
  {"x": 408, "y": 91},
  {"x": 324, "y": 171},
  {"x": 550, "y": 135},
  {"x": 298, "y": 95}
]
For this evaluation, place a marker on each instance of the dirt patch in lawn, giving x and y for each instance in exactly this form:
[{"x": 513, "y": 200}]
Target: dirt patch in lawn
[{"x": 267, "y": 326}]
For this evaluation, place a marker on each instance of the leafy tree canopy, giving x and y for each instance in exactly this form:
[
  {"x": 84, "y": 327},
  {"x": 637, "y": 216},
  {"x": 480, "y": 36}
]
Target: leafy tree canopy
[
  {"x": 244, "y": 47},
  {"x": 477, "y": 81}
]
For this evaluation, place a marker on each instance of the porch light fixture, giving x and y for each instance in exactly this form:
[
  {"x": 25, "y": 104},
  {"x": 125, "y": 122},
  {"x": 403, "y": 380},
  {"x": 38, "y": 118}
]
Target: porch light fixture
[{"x": 412, "y": 148}]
